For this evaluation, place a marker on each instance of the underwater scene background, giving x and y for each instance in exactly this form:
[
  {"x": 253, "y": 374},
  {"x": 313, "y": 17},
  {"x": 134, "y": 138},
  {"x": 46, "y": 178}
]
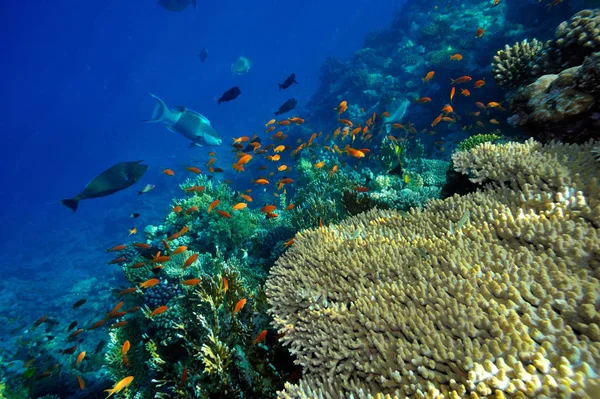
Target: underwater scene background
[{"x": 276, "y": 199}]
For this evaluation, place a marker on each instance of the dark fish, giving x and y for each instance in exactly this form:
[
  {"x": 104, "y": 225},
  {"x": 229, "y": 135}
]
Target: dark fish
[
  {"x": 288, "y": 82},
  {"x": 70, "y": 351},
  {"x": 176, "y": 5},
  {"x": 287, "y": 106},
  {"x": 79, "y": 303},
  {"x": 230, "y": 94},
  {"x": 113, "y": 179},
  {"x": 135, "y": 215},
  {"x": 100, "y": 346},
  {"x": 40, "y": 321},
  {"x": 72, "y": 325},
  {"x": 203, "y": 55},
  {"x": 249, "y": 148}
]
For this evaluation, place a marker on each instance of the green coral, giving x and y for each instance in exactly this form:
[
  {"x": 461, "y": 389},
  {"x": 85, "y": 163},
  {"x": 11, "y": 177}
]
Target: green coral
[{"x": 476, "y": 140}]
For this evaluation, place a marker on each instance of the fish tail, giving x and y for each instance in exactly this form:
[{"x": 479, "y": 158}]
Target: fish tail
[
  {"x": 161, "y": 112},
  {"x": 110, "y": 392},
  {"x": 71, "y": 203}
]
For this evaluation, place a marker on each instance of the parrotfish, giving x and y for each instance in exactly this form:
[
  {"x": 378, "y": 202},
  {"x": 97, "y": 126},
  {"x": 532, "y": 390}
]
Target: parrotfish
[
  {"x": 290, "y": 80},
  {"x": 190, "y": 124},
  {"x": 113, "y": 179},
  {"x": 287, "y": 106}
]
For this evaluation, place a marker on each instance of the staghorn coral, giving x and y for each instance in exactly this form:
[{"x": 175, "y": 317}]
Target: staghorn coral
[
  {"x": 513, "y": 66},
  {"x": 504, "y": 306}
]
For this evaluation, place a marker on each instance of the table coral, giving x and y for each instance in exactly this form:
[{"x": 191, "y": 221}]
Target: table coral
[{"x": 506, "y": 305}]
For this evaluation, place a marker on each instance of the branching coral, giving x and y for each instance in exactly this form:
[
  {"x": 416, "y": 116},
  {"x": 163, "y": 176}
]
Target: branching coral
[
  {"x": 513, "y": 66},
  {"x": 475, "y": 140},
  {"x": 504, "y": 306}
]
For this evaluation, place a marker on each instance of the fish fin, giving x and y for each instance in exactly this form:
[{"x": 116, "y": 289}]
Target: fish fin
[
  {"x": 71, "y": 203},
  {"x": 161, "y": 112},
  {"x": 194, "y": 145}
]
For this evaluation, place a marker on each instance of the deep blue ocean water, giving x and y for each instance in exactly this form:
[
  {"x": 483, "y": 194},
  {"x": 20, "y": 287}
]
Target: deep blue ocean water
[{"x": 74, "y": 81}]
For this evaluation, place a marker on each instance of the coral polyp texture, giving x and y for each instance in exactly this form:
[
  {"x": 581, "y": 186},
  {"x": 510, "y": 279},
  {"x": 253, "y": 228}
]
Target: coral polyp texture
[
  {"x": 513, "y": 66},
  {"x": 490, "y": 294}
]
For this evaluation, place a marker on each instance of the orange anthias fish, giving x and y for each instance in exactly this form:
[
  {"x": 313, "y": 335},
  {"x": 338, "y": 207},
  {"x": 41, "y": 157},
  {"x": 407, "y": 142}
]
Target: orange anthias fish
[
  {"x": 150, "y": 283},
  {"x": 168, "y": 172},
  {"x": 79, "y": 358},
  {"x": 80, "y": 382},
  {"x": 355, "y": 153},
  {"x": 428, "y": 77},
  {"x": 223, "y": 213},
  {"x": 119, "y": 386},
  {"x": 193, "y": 169},
  {"x": 342, "y": 107},
  {"x": 213, "y": 205},
  {"x": 191, "y": 282},
  {"x": 190, "y": 210},
  {"x": 159, "y": 310},
  {"x": 179, "y": 250},
  {"x": 456, "y": 57},
  {"x": 117, "y": 248},
  {"x": 437, "y": 120},
  {"x": 242, "y": 139},
  {"x": 479, "y": 83},
  {"x": 465, "y": 92},
  {"x": 260, "y": 337},
  {"x": 190, "y": 261},
  {"x": 244, "y": 159},
  {"x": 225, "y": 285},
  {"x": 290, "y": 207},
  {"x": 319, "y": 165},
  {"x": 333, "y": 170},
  {"x": 423, "y": 100},
  {"x": 261, "y": 181},
  {"x": 239, "y": 206},
  {"x": 479, "y": 32},
  {"x": 239, "y": 305},
  {"x": 270, "y": 129},
  {"x": 462, "y": 79},
  {"x": 177, "y": 209},
  {"x": 452, "y": 91}
]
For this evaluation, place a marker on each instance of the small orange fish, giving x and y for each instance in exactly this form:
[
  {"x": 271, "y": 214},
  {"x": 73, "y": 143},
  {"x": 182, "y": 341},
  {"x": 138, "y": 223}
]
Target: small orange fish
[
  {"x": 437, "y": 120},
  {"x": 479, "y": 83},
  {"x": 319, "y": 165},
  {"x": 480, "y": 105},
  {"x": 213, "y": 205},
  {"x": 493, "y": 104},
  {"x": 246, "y": 197},
  {"x": 119, "y": 324},
  {"x": 284, "y": 123},
  {"x": 462, "y": 79},
  {"x": 428, "y": 77},
  {"x": 211, "y": 154},
  {"x": 361, "y": 189},
  {"x": 282, "y": 168},
  {"x": 159, "y": 310},
  {"x": 177, "y": 209},
  {"x": 290, "y": 207},
  {"x": 479, "y": 32},
  {"x": 80, "y": 382},
  {"x": 423, "y": 100},
  {"x": 211, "y": 161},
  {"x": 223, "y": 213},
  {"x": 190, "y": 210},
  {"x": 168, "y": 172},
  {"x": 244, "y": 159},
  {"x": 456, "y": 57},
  {"x": 191, "y": 281},
  {"x": 225, "y": 285},
  {"x": 333, "y": 170},
  {"x": 268, "y": 208},
  {"x": 79, "y": 358},
  {"x": 190, "y": 261},
  {"x": 355, "y": 153},
  {"x": 346, "y": 122},
  {"x": 137, "y": 265},
  {"x": 179, "y": 250},
  {"x": 116, "y": 261},
  {"x": 342, "y": 107},
  {"x": 134, "y": 309},
  {"x": 125, "y": 348},
  {"x": 279, "y": 148},
  {"x": 385, "y": 114},
  {"x": 270, "y": 129},
  {"x": 270, "y": 122},
  {"x": 448, "y": 109},
  {"x": 494, "y": 122},
  {"x": 195, "y": 189},
  {"x": 320, "y": 223},
  {"x": 119, "y": 386},
  {"x": 289, "y": 242},
  {"x": 239, "y": 206},
  {"x": 117, "y": 248},
  {"x": 150, "y": 283},
  {"x": 239, "y": 305},
  {"x": 465, "y": 92},
  {"x": 260, "y": 337},
  {"x": 261, "y": 181},
  {"x": 97, "y": 324},
  {"x": 193, "y": 169},
  {"x": 127, "y": 291},
  {"x": 242, "y": 139},
  {"x": 141, "y": 245}
]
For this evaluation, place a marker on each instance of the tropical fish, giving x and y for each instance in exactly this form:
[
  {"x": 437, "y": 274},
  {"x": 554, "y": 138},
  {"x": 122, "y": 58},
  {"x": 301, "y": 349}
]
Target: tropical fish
[
  {"x": 190, "y": 124},
  {"x": 239, "y": 205},
  {"x": 147, "y": 188},
  {"x": 456, "y": 57},
  {"x": 260, "y": 337},
  {"x": 225, "y": 285},
  {"x": 80, "y": 358},
  {"x": 79, "y": 303},
  {"x": 159, "y": 310},
  {"x": 113, "y": 179},
  {"x": 176, "y": 5},
  {"x": 119, "y": 386},
  {"x": 190, "y": 261},
  {"x": 462, "y": 79},
  {"x": 80, "y": 382},
  {"x": 132, "y": 231},
  {"x": 479, "y": 32},
  {"x": 150, "y": 283},
  {"x": 241, "y": 66},
  {"x": 203, "y": 55},
  {"x": 230, "y": 94},
  {"x": 194, "y": 169},
  {"x": 239, "y": 305},
  {"x": 213, "y": 205},
  {"x": 287, "y": 107},
  {"x": 428, "y": 77},
  {"x": 290, "y": 80}
]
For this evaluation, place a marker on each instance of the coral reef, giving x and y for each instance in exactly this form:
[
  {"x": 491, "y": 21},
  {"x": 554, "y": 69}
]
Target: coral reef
[
  {"x": 475, "y": 140},
  {"x": 492, "y": 294},
  {"x": 561, "y": 107},
  {"x": 513, "y": 66}
]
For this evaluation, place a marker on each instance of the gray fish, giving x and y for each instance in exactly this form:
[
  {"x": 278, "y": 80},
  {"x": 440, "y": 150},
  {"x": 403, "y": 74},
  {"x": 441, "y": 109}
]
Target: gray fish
[
  {"x": 176, "y": 5},
  {"x": 286, "y": 106},
  {"x": 113, "y": 179},
  {"x": 190, "y": 124}
]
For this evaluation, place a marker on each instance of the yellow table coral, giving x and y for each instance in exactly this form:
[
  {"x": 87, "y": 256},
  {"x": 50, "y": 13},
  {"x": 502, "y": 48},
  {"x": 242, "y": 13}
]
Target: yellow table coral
[{"x": 505, "y": 304}]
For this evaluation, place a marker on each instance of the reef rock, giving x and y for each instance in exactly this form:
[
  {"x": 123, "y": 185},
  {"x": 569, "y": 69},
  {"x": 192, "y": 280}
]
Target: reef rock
[{"x": 561, "y": 107}]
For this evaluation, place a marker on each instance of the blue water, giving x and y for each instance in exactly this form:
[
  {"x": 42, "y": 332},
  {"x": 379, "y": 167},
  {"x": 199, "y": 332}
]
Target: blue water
[{"x": 73, "y": 98}]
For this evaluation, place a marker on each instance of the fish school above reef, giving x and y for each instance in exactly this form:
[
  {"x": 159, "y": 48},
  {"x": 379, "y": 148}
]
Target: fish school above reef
[{"x": 427, "y": 228}]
